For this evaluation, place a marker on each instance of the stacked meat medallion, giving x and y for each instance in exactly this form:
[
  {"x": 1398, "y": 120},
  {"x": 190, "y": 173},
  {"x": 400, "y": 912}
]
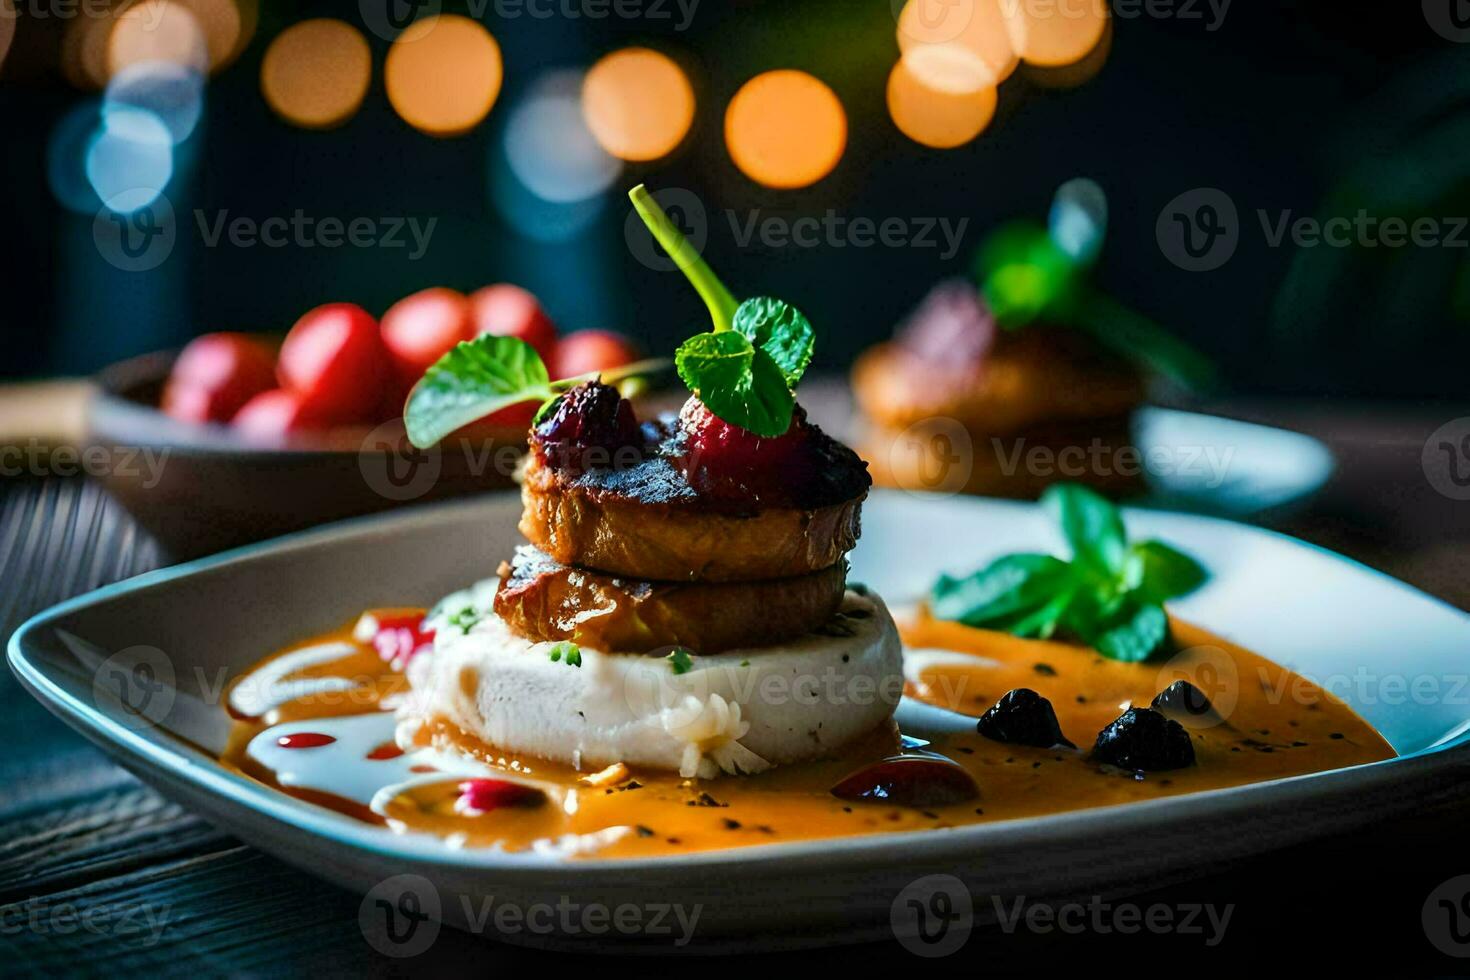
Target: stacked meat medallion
[{"x": 682, "y": 605}]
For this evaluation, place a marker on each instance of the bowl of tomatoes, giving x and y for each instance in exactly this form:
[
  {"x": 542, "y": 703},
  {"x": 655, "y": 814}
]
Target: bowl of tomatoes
[{"x": 256, "y": 435}]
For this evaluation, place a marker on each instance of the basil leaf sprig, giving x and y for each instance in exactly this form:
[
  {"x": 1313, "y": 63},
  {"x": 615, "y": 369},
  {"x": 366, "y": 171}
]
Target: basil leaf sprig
[
  {"x": 746, "y": 369},
  {"x": 1110, "y": 595},
  {"x": 482, "y": 376}
]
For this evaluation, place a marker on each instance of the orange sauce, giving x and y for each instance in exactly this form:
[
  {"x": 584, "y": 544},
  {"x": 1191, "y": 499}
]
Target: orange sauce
[{"x": 1273, "y": 723}]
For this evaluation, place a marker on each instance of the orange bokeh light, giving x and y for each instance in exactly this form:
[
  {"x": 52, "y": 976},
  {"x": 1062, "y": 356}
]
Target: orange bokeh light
[
  {"x": 975, "y": 34},
  {"x": 443, "y": 74},
  {"x": 315, "y": 73},
  {"x": 785, "y": 129},
  {"x": 157, "y": 30},
  {"x": 638, "y": 104},
  {"x": 940, "y": 118},
  {"x": 1050, "y": 33}
]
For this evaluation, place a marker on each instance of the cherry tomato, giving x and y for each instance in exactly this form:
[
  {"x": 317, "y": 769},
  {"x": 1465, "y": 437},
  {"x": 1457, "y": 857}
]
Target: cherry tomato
[
  {"x": 273, "y": 414},
  {"x": 216, "y": 374},
  {"x": 592, "y": 350},
  {"x": 420, "y": 329},
  {"x": 335, "y": 360},
  {"x": 510, "y": 311}
]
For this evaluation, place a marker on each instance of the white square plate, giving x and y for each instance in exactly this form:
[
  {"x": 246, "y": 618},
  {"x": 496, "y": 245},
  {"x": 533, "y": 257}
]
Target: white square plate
[{"x": 1399, "y": 657}]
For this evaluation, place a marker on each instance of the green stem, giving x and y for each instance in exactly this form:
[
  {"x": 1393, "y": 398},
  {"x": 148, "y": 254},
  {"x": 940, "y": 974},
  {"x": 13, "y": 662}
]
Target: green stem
[
  {"x": 721, "y": 304},
  {"x": 614, "y": 375}
]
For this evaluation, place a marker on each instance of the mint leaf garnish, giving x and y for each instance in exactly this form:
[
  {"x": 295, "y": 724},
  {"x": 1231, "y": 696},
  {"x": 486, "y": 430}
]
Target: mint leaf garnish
[
  {"x": 738, "y": 382},
  {"x": 475, "y": 379},
  {"x": 779, "y": 329},
  {"x": 747, "y": 367},
  {"x": 1109, "y": 596},
  {"x": 680, "y": 661},
  {"x": 465, "y": 619}
]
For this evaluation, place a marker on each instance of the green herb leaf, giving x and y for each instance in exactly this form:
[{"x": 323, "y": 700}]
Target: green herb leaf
[
  {"x": 465, "y": 619},
  {"x": 680, "y": 661},
  {"x": 1009, "y": 586},
  {"x": 1092, "y": 526},
  {"x": 1155, "y": 572},
  {"x": 1135, "y": 633},
  {"x": 779, "y": 329},
  {"x": 476, "y": 378},
  {"x": 737, "y": 381},
  {"x": 1110, "y": 596},
  {"x": 567, "y": 652}
]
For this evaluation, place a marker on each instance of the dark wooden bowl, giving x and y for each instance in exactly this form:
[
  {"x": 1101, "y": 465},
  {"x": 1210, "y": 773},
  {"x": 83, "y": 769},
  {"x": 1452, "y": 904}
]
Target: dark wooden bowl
[{"x": 199, "y": 489}]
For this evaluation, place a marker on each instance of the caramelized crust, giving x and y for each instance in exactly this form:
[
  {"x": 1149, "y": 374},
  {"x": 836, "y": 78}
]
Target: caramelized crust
[
  {"x": 622, "y": 534},
  {"x": 543, "y": 600},
  {"x": 1034, "y": 376}
]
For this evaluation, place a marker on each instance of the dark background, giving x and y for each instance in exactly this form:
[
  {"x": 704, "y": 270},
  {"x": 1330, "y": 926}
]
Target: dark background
[{"x": 1316, "y": 107}]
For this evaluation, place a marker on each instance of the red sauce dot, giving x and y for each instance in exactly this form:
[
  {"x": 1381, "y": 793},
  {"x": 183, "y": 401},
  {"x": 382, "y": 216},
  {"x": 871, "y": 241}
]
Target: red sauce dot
[
  {"x": 304, "y": 740},
  {"x": 385, "y": 751}
]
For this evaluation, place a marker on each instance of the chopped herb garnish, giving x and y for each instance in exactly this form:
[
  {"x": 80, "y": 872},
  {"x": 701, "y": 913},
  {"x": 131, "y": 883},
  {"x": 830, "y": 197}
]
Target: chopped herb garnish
[
  {"x": 1110, "y": 595},
  {"x": 565, "y": 652},
  {"x": 465, "y": 619},
  {"x": 680, "y": 661}
]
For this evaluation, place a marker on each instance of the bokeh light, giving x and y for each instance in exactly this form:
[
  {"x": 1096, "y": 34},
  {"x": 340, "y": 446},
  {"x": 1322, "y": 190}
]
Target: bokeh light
[
  {"x": 173, "y": 93},
  {"x": 979, "y": 49},
  {"x": 638, "y": 103},
  {"x": 549, "y": 147},
  {"x": 130, "y": 159},
  {"x": 84, "y": 50},
  {"x": 222, "y": 23},
  {"x": 1053, "y": 34},
  {"x": 66, "y": 157},
  {"x": 157, "y": 30},
  {"x": 785, "y": 129},
  {"x": 939, "y": 118},
  {"x": 443, "y": 74},
  {"x": 1079, "y": 72},
  {"x": 316, "y": 73}
]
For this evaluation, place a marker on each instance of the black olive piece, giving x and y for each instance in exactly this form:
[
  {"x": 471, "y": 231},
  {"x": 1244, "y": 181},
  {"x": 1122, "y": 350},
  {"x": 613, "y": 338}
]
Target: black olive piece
[
  {"x": 1186, "y": 704},
  {"x": 1143, "y": 740},
  {"x": 1023, "y": 717}
]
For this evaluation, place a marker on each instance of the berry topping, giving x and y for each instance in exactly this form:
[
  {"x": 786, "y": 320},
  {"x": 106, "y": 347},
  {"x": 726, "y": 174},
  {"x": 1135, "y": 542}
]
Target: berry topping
[
  {"x": 951, "y": 326},
  {"x": 910, "y": 780},
  {"x": 1144, "y": 740},
  {"x": 1186, "y": 704},
  {"x": 1023, "y": 717},
  {"x": 721, "y": 452},
  {"x": 477, "y": 796},
  {"x": 304, "y": 740},
  {"x": 590, "y": 427}
]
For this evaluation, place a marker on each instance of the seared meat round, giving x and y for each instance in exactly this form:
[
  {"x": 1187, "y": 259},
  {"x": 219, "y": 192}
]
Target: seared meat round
[{"x": 541, "y": 599}]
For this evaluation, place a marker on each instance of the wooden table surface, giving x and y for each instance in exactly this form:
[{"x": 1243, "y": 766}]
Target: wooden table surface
[{"x": 101, "y": 875}]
